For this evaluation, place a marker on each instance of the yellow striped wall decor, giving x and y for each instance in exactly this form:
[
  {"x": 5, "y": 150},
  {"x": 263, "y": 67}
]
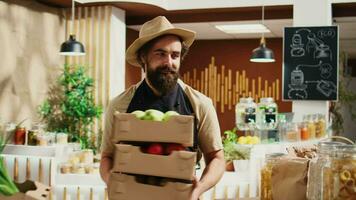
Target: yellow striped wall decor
[{"x": 225, "y": 86}]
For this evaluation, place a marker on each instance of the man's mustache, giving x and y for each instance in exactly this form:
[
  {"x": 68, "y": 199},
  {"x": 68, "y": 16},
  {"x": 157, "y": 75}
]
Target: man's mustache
[{"x": 166, "y": 69}]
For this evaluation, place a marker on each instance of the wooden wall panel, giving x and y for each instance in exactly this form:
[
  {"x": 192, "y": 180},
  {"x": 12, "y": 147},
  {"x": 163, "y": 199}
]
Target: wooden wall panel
[{"x": 92, "y": 29}]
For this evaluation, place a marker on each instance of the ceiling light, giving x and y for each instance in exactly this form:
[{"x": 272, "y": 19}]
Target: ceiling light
[
  {"x": 71, "y": 47},
  {"x": 243, "y": 28},
  {"x": 262, "y": 54}
]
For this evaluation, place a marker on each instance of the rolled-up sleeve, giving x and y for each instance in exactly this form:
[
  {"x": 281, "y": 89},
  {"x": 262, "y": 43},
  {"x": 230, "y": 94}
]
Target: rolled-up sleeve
[{"x": 209, "y": 138}]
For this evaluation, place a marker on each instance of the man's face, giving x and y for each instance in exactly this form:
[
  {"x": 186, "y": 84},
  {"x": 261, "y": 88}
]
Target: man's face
[{"x": 163, "y": 62}]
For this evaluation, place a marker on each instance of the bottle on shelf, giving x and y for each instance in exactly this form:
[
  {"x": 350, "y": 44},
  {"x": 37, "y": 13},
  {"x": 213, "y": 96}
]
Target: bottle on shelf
[
  {"x": 245, "y": 114},
  {"x": 266, "y": 115}
]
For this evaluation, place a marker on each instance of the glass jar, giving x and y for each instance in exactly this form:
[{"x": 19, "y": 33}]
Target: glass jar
[
  {"x": 87, "y": 156},
  {"x": 245, "y": 114},
  {"x": 61, "y": 138},
  {"x": 282, "y": 127},
  {"x": 20, "y": 135},
  {"x": 309, "y": 120},
  {"x": 325, "y": 151},
  {"x": 320, "y": 126},
  {"x": 266, "y": 175},
  {"x": 266, "y": 115},
  {"x": 304, "y": 134},
  {"x": 340, "y": 181},
  {"x": 42, "y": 139},
  {"x": 292, "y": 132},
  {"x": 32, "y": 137}
]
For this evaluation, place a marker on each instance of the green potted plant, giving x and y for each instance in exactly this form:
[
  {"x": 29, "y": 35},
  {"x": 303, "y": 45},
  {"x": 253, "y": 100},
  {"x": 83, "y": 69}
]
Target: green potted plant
[{"x": 70, "y": 107}]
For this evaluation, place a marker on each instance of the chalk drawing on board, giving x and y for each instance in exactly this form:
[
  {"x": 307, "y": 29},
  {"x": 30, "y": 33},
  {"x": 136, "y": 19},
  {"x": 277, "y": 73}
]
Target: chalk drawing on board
[
  {"x": 320, "y": 49},
  {"x": 327, "y": 88},
  {"x": 297, "y": 46},
  {"x": 325, "y": 68},
  {"x": 297, "y": 88}
]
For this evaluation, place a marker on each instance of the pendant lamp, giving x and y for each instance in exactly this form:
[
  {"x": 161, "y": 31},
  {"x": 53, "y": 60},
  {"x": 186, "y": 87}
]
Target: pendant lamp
[
  {"x": 262, "y": 54},
  {"x": 72, "y": 47}
]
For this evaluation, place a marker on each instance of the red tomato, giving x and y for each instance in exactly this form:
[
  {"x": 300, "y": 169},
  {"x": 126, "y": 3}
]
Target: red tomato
[
  {"x": 173, "y": 147},
  {"x": 155, "y": 148}
]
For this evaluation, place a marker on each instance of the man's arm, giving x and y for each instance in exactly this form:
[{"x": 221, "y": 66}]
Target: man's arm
[
  {"x": 215, "y": 168},
  {"x": 105, "y": 166}
]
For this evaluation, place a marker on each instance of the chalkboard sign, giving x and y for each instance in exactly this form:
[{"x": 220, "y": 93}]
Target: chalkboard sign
[{"x": 310, "y": 63}]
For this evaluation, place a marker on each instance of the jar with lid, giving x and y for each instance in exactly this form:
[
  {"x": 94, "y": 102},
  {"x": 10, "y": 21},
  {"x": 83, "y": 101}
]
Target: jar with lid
[
  {"x": 266, "y": 115},
  {"x": 245, "y": 114},
  {"x": 20, "y": 135},
  {"x": 266, "y": 175},
  {"x": 325, "y": 151},
  {"x": 339, "y": 181}
]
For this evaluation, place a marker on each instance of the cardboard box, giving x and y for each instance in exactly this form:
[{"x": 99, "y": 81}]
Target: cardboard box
[
  {"x": 130, "y": 159},
  {"x": 29, "y": 190},
  {"x": 178, "y": 129},
  {"x": 125, "y": 187}
]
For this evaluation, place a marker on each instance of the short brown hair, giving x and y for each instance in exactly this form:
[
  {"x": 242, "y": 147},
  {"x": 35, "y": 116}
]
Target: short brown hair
[{"x": 146, "y": 47}]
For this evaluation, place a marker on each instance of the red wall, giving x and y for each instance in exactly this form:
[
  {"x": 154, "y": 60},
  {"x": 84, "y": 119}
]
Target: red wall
[{"x": 234, "y": 55}]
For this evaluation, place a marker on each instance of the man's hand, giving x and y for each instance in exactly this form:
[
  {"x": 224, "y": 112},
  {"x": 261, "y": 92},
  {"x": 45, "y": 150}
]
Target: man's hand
[
  {"x": 196, "y": 189},
  {"x": 105, "y": 166},
  {"x": 212, "y": 173}
]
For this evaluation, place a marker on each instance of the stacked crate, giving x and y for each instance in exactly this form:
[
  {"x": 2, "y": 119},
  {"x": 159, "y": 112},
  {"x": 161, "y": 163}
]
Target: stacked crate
[{"x": 130, "y": 162}]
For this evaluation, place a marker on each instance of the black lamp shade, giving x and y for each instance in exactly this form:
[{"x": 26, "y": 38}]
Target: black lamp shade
[
  {"x": 71, "y": 47},
  {"x": 262, "y": 54}
]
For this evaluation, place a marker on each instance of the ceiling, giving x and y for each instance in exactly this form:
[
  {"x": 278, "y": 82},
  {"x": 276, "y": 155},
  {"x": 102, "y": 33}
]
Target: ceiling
[{"x": 203, "y": 21}]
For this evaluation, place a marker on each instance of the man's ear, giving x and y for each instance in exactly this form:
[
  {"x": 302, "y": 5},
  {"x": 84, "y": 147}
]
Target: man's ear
[{"x": 143, "y": 59}]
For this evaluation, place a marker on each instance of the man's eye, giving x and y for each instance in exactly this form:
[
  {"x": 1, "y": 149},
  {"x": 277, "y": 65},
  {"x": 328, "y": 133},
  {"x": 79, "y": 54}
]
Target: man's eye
[
  {"x": 160, "y": 54},
  {"x": 174, "y": 56}
]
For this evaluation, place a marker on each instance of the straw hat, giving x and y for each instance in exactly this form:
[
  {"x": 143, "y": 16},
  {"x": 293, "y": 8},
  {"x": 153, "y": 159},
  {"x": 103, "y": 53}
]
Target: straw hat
[{"x": 152, "y": 29}]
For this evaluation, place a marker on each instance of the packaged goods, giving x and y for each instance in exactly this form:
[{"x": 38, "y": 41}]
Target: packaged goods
[{"x": 266, "y": 175}]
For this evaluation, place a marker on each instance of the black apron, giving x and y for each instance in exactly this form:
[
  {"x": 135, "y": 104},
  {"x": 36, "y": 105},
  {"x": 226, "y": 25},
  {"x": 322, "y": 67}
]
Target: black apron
[{"x": 176, "y": 100}]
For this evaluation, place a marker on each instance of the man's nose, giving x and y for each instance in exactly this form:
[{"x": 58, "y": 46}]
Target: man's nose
[{"x": 168, "y": 60}]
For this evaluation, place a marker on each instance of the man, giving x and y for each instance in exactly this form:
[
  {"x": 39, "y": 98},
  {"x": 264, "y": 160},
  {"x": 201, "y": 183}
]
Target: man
[{"x": 159, "y": 50}]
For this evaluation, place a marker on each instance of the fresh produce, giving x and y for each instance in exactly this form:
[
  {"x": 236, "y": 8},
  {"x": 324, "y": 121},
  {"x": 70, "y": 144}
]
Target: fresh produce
[
  {"x": 168, "y": 115},
  {"x": 173, "y": 147},
  {"x": 154, "y": 115},
  {"x": 139, "y": 114},
  {"x": 248, "y": 140},
  {"x": 155, "y": 148}
]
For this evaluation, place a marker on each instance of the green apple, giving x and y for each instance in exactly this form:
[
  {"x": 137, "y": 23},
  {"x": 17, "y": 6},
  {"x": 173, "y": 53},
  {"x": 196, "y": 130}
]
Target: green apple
[
  {"x": 168, "y": 115},
  {"x": 154, "y": 115},
  {"x": 139, "y": 114}
]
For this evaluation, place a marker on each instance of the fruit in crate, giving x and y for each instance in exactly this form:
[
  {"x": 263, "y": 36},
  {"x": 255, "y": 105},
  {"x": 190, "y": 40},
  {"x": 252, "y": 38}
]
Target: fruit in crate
[
  {"x": 173, "y": 147},
  {"x": 168, "y": 115},
  {"x": 139, "y": 114},
  {"x": 155, "y": 148},
  {"x": 154, "y": 115}
]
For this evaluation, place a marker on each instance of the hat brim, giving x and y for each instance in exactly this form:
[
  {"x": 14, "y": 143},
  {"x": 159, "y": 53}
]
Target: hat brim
[{"x": 186, "y": 35}]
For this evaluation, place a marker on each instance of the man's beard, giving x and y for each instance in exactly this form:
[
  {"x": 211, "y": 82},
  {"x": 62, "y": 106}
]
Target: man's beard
[{"x": 163, "y": 78}]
